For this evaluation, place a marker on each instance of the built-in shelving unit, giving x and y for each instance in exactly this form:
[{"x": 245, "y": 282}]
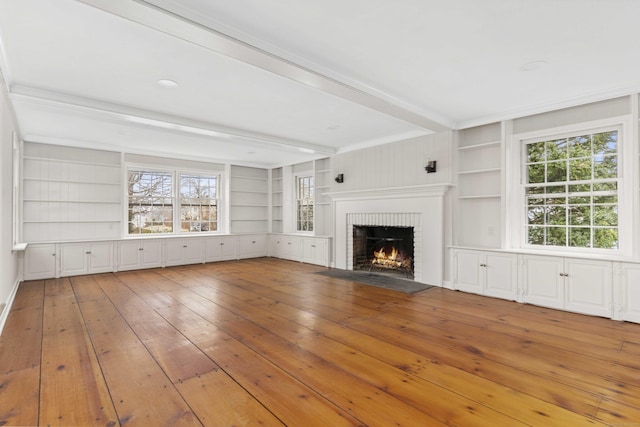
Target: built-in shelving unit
[
  {"x": 70, "y": 193},
  {"x": 323, "y": 217},
  {"x": 479, "y": 185},
  {"x": 249, "y": 200},
  {"x": 276, "y": 200}
]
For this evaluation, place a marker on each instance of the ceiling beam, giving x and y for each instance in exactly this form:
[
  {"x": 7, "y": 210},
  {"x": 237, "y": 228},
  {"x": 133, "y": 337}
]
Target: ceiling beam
[
  {"x": 151, "y": 16},
  {"x": 132, "y": 116}
]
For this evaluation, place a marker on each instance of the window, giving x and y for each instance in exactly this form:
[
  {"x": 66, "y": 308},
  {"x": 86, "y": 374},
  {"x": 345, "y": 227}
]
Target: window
[
  {"x": 571, "y": 187},
  {"x": 150, "y": 202},
  {"x": 198, "y": 203},
  {"x": 304, "y": 203},
  {"x": 151, "y": 196}
]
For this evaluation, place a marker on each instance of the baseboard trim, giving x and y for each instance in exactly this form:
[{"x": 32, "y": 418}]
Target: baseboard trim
[
  {"x": 8, "y": 304},
  {"x": 447, "y": 284}
]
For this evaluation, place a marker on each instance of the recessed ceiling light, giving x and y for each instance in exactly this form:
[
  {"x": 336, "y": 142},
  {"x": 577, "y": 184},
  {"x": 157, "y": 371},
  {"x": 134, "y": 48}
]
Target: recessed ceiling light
[
  {"x": 533, "y": 65},
  {"x": 167, "y": 83}
]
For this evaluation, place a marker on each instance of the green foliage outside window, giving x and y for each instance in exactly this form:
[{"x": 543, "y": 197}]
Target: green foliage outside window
[{"x": 572, "y": 191}]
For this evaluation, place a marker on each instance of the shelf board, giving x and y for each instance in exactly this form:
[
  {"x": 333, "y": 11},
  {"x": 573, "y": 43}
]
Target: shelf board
[
  {"x": 323, "y": 203},
  {"x": 249, "y": 205},
  {"x": 254, "y": 178},
  {"x": 488, "y": 170},
  {"x": 77, "y": 221},
  {"x": 106, "y": 202},
  {"x": 323, "y": 170},
  {"x": 479, "y": 146},
  {"x": 484, "y": 196},
  {"x": 71, "y": 181},
  {"x": 72, "y": 162}
]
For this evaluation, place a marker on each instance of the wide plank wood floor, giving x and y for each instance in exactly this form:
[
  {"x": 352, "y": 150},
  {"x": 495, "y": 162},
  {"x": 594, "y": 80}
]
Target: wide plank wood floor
[{"x": 268, "y": 342}]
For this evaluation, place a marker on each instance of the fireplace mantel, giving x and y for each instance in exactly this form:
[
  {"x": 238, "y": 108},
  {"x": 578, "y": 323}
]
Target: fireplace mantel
[
  {"x": 390, "y": 192},
  {"x": 424, "y": 204}
]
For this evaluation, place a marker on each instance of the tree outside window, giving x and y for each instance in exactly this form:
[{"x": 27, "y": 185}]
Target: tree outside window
[
  {"x": 198, "y": 203},
  {"x": 150, "y": 207},
  {"x": 304, "y": 203},
  {"x": 571, "y": 191}
]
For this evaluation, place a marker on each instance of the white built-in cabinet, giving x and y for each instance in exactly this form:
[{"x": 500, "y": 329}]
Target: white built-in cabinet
[
  {"x": 48, "y": 260},
  {"x": 486, "y": 273},
  {"x": 579, "y": 285},
  {"x": 252, "y": 246},
  {"x": 139, "y": 254},
  {"x": 220, "y": 248},
  {"x": 40, "y": 261},
  {"x": 181, "y": 251},
  {"x": 86, "y": 258},
  {"x": 627, "y": 292},
  {"x": 565, "y": 283},
  {"x": 308, "y": 249}
]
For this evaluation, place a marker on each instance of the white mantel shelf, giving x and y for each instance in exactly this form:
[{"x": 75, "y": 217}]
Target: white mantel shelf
[{"x": 390, "y": 192}]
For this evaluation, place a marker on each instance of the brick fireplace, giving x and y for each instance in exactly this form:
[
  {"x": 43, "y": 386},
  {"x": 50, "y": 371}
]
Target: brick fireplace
[{"x": 420, "y": 208}]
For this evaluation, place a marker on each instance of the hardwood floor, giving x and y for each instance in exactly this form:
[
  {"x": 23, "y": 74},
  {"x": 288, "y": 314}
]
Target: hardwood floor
[{"x": 268, "y": 342}]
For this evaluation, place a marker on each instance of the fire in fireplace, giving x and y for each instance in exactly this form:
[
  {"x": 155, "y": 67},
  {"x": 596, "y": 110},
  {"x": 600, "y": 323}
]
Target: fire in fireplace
[{"x": 383, "y": 249}]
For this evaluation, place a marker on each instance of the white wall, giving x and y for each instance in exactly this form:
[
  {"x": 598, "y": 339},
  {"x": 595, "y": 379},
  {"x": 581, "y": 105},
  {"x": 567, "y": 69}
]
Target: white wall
[
  {"x": 398, "y": 164},
  {"x": 9, "y": 261}
]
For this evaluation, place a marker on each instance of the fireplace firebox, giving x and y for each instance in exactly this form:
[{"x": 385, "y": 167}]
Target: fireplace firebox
[{"x": 383, "y": 249}]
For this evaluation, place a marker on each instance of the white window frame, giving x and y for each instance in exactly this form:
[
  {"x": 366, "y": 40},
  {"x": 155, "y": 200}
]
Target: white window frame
[
  {"x": 296, "y": 177},
  {"x": 175, "y": 196},
  {"x": 515, "y": 180},
  {"x": 219, "y": 199}
]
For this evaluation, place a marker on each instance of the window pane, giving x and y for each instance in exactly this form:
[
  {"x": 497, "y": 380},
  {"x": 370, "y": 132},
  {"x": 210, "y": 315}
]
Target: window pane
[
  {"x": 198, "y": 203},
  {"x": 580, "y": 237},
  {"x": 580, "y": 215},
  {"x": 304, "y": 211},
  {"x": 580, "y": 169},
  {"x": 605, "y": 238},
  {"x": 536, "y": 235},
  {"x": 606, "y": 167},
  {"x": 535, "y": 152},
  {"x": 535, "y": 173},
  {"x": 557, "y": 149},
  {"x": 584, "y": 213},
  {"x": 150, "y": 202}
]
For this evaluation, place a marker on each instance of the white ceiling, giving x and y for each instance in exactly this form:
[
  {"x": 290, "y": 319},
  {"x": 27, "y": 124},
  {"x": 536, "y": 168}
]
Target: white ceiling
[{"x": 278, "y": 82}]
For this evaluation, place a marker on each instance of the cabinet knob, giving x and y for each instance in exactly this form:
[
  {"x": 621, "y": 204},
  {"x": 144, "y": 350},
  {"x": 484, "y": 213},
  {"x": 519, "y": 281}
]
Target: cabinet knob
[
  {"x": 313, "y": 246},
  {"x": 221, "y": 243},
  {"x": 88, "y": 252},
  {"x": 141, "y": 249},
  {"x": 564, "y": 274},
  {"x": 483, "y": 265},
  {"x": 288, "y": 243},
  {"x": 253, "y": 241},
  {"x": 53, "y": 254},
  {"x": 184, "y": 246}
]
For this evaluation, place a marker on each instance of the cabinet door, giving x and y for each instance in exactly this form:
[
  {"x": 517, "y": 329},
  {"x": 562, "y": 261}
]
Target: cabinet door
[
  {"x": 173, "y": 251},
  {"x": 212, "y": 249},
  {"x": 192, "y": 251},
  {"x": 100, "y": 257},
  {"x": 40, "y": 262},
  {"x": 229, "y": 247},
  {"x": 292, "y": 248},
  {"x": 129, "y": 254},
  {"x": 501, "y": 275},
  {"x": 252, "y": 246},
  {"x": 588, "y": 287},
  {"x": 630, "y": 295},
  {"x": 150, "y": 253},
  {"x": 469, "y": 271},
  {"x": 73, "y": 259},
  {"x": 275, "y": 246},
  {"x": 315, "y": 251},
  {"x": 544, "y": 283}
]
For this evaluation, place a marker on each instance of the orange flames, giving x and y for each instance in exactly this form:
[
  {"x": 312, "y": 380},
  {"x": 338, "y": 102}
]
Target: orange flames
[{"x": 389, "y": 261}]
